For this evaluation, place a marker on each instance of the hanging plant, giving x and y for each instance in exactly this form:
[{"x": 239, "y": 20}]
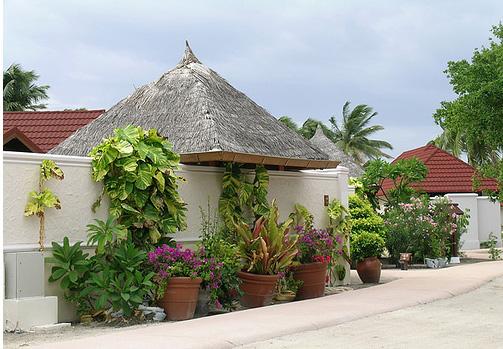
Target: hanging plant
[
  {"x": 44, "y": 197},
  {"x": 238, "y": 195},
  {"x": 137, "y": 168}
]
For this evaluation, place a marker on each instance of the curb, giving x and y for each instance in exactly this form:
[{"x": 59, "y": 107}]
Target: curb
[{"x": 260, "y": 324}]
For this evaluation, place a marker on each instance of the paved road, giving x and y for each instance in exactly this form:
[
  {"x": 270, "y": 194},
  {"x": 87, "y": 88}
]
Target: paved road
[{"x": 472, "y": 320}]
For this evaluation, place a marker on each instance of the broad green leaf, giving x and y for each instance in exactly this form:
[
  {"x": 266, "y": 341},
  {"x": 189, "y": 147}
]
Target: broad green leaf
[
  {"x": 144, "y": 177},
  {"x": 124, "y": 148},
  {"x": 159, "y": 177}
]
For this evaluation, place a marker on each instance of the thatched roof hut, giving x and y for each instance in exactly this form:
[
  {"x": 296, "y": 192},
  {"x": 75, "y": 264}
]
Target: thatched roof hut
[
  {"x": 321, "y": 141},
  {"x": 205, "y": 118}
]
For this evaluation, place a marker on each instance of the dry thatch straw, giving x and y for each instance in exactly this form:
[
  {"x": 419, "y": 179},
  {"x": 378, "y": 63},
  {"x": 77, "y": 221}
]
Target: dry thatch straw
[
  {"x": 321, "y": 141},
  {"x": 198, "y": 111}
]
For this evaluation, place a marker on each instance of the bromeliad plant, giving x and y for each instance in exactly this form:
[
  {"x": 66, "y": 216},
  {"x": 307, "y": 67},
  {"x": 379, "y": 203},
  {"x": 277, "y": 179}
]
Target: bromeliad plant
[
  {"x": 44, "y": 198},
  {"x": 268, "y": 248},
  {"x": 137, "y": 169}
]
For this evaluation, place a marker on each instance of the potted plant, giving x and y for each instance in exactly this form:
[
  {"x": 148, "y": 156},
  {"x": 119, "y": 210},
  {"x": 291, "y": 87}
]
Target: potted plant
[
  {"x": 287, "y": 287},
  {"x": 178, "y": 277},
  {"x": 315, "y": 249},
  {"x": 366, "y": 248},
  {"x": 266, "y": 250}
]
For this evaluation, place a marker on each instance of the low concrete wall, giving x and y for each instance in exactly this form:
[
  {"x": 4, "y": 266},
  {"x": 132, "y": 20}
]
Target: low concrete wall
[{"x": 77, "y": 192}]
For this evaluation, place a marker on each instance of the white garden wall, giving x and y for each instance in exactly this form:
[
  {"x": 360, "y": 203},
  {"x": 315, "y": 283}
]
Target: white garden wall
[
  {"x": 485, "y": 217},
  {"x": 77, "y": 192}
]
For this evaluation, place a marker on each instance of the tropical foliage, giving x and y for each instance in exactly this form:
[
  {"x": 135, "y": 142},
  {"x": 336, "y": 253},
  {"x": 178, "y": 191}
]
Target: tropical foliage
[
  {"x": 112, "y": 280},
  {"x": 364, "y": 218},
  {"x": 215, "y": 244},
  {"x": 352, "y": 135},
  {"x": 20, "y": 91},
  {"x": 44, "y": 198},
  {"x": 240, "y": 196},
  {"x": 422, "y": 227},
  {"x": 402, "y": 174},
  {"x": 137, "y": 168},
  {"x": 268, "y": 247},
  {"x": 475, "y": 117},
  {"x": 366, "y": 245}
]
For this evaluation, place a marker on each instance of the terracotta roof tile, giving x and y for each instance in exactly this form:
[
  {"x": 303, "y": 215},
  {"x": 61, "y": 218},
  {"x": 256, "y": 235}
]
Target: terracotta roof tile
[
  {"x": 47, "y": 129},
  {"x": 446, "y": 173}
]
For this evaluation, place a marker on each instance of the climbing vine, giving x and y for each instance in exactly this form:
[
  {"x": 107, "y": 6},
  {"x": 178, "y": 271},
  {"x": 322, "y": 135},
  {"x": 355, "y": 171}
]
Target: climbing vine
[
  {"x": 240, "y": 196},
  {"x": 137, "y": 168},
  {"x": 44, "y": 197}
]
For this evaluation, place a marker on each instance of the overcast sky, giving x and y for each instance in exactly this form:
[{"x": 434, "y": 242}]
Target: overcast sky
[{"x": 297, "y": 58}]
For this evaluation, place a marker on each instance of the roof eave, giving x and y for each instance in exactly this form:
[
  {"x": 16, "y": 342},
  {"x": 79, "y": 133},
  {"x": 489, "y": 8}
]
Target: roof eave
[{"x": 258, "y": 159}]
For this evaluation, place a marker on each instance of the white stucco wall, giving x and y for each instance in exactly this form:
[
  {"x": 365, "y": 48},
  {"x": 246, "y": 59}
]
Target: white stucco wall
[
  {"x": 485, "y": 217},
  {"x": 468, "y": 201},
  {"x": 77, "y": 192},
  {"x": 489, "y": 213}
]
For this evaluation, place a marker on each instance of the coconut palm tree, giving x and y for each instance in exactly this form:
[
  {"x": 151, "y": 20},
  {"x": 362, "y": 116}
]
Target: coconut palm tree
[
  {"x": 352, "y": 135},
  {"x": 290, "y": 123},
  {"x": 451, "y": 141},
  {"x": 20, "y": 92},
  {"x": 309, "y": 126}
]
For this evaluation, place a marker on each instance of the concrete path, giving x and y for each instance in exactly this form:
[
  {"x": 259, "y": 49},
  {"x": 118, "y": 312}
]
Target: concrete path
[
  {"x": 471, "y": 320},
  {"x": 412, "y": 287}
]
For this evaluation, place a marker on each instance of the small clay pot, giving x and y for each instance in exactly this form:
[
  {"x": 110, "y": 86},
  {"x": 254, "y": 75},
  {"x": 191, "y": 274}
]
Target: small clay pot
[
  {"x": 369, "y": 270},
  {"x": 257, "y": 289},
  {"x": 180, "y": 298},
  {"x": 313, "y": 277}
]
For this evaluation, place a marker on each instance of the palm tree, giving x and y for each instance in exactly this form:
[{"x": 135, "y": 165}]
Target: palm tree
[
  {"x": 309, "y": 126},
  {"x": 478, "y": 152},
  {"x": 290, "y": 123},
  {"x": 451, "y": 141},
  {"x": 352, "y": 135},
  {"x": 19, "y": 90}
]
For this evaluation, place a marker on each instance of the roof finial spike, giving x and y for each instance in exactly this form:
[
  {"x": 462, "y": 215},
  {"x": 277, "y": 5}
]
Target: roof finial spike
[{"x": 188, "y": 56}]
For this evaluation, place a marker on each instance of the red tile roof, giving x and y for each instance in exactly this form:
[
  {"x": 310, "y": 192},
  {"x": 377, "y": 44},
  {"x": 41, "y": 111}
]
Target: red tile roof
[
  {"x": 46, "y": 129},
  {"x": 446, "y": 173}
]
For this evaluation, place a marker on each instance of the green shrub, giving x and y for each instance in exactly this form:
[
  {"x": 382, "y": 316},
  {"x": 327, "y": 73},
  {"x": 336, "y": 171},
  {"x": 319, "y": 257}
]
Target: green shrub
[
  {"x": 114, "y": 278},
  {"x": 366, "y": 245},
  {"x": 364, "y": 218},
  {"x": 422, "y": 227}
]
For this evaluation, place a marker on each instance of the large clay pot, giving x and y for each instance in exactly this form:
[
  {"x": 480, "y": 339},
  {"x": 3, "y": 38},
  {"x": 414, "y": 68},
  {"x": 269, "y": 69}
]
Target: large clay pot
[
  {"x": 180, "y": 298},
  {"x": 257, "y": 289},
  {"x": 369, "y": 270},
  {"x": 313, "y": 276}
]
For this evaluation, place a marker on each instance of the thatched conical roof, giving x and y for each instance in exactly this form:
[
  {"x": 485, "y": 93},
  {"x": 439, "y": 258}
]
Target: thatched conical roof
[
  {"x": 199, "y": 112},
  {"x": 321, "y": 141}
]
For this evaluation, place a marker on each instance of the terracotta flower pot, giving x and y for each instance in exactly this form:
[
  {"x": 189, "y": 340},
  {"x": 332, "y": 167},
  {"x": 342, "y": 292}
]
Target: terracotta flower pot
[
  {"x": 180, "y": 298},
  {"x": 369, "y": 270},
  {"x": 257, "y": 289},
  {"x": 313, "y": 276}
]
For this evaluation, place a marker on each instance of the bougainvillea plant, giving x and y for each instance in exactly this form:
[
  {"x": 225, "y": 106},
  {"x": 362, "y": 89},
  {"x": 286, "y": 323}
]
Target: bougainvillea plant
[
  {"x": 169, "y": 262},
  {"x": 44, "y": 197},
  {"x": 315, "y": 245},
  {"x": 137, "y": 168}
]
